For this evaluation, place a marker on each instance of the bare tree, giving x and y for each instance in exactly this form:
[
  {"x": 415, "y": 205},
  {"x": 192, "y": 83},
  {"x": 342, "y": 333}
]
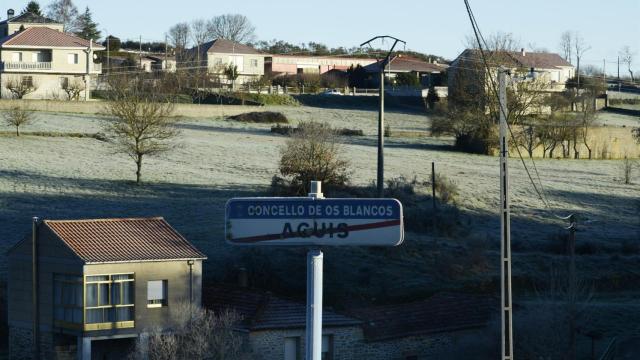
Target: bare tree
[
  {"x": 580, "y": 47},
  {"x": 20, "y": 87},
  {"x": 627, "y": 56},
  {"x": 199, "y": 32},
  {"x": 17, "y": 116},
  {"x": 179, "y": 35},
  {"x": 66, "y": 12},
  {"x": 73, "y": 89},
  {"x": 199, "y": 334},
  {"x": 234, "y": 27},
  {"x": 566, "y": 45},
  {"x": 142, "y": 122}
]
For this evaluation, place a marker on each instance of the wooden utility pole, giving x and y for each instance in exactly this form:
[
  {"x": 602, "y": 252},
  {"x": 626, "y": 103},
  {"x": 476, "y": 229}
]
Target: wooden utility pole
[
  {"x": 383, "y": 64},
  {"x": 433, "y": 185},
  {"x": 140, "y": 51},
  {"x": 505, "y": 224}
]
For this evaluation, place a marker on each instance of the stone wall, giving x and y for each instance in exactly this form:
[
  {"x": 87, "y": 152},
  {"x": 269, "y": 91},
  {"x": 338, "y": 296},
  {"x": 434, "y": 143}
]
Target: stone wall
[
  {"x": 97, "y": 107},
  {"x": 21, "y": 346},
  {"x": 349, "y": 344}
]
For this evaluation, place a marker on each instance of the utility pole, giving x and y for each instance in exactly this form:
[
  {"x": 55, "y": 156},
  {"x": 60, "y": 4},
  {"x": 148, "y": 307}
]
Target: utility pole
[
  {"x": 618, "y": 73},
  {"x": 505, "y": 224},
  {"x": 571, "y": 249},
  {"x": 140, "y": 52},
  {"x": 382, "y": 63},
  {"x": 315, "y": 260},
  {"x": 166, "y": 52},
  {"x": 35, "y": 310}
]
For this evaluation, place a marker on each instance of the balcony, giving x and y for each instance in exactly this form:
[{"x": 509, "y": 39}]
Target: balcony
[{"x": 19, "y": 65}]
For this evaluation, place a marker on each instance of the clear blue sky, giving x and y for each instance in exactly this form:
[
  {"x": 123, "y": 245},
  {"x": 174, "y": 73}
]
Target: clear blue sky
[{"x": 437, "y": 27}]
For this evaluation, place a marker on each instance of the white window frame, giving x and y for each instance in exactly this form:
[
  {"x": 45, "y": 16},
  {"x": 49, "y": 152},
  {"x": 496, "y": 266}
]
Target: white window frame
[
  {"x": 73, "y": 58},
  {"x": 153, "y": 300}
]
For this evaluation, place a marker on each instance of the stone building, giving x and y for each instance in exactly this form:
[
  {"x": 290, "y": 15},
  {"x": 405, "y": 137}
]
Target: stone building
[
  {"x": 275, "y": 327},
  {"x": 99, "y": 285}
]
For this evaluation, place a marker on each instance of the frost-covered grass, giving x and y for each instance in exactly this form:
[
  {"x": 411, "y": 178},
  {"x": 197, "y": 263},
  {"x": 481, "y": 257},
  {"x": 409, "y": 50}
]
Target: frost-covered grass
[{"x": 60, "y": 177}]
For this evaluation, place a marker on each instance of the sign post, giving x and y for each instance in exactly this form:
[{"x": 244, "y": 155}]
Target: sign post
[{"x": 313, "y": 221}]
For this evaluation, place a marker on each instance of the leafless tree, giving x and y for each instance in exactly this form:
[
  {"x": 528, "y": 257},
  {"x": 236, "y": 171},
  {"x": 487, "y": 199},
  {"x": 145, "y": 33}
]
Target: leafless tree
[
  {"x": 142, "y": 122},
  {"x": 17, "y": 116},
  {"x": 199, "y": 32},
  {"x": 587, "y": 117},
  {"x": 579, "y": 47},
  {"x": 20, "y": 87},
  {"x": 179, "y": 35},
  {"x": 627, "y": 56},
  {"x": 73, "y": 89},
  {"x": 566, "y": 45},
  {"x": 66, "y": 12},
  {"x": 199, "y": 334},
  {"x": 234, "y": 27}
]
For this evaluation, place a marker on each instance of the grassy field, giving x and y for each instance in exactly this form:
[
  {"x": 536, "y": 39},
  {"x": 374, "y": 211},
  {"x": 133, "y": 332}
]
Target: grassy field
[{"x": 82, "y": 177}]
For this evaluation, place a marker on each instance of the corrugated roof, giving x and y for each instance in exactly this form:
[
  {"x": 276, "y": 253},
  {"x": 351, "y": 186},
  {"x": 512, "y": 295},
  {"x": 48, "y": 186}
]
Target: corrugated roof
[
  {"x": 440, "y": 313},
  {"x": 30, "y": 18},
  {"x": 123, "y": 240},
  {"x": 46, "y": 37},
  {"x": 262, "y": 310}
]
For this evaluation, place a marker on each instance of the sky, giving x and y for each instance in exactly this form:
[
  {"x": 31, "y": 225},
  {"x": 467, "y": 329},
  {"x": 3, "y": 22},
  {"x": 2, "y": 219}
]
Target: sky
[{"x": 435, "y": 27}]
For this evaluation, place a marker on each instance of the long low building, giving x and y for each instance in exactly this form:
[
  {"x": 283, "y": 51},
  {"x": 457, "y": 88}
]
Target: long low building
[{"x": 303, "y": 64}]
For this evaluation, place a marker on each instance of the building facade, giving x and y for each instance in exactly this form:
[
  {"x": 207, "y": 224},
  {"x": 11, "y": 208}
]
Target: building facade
[
  {"x": 100, "y": 285},
  {"x": 41, "y": 61},
  {"x": 291, "y": 64},
  {"x": 220, "y": 54}
]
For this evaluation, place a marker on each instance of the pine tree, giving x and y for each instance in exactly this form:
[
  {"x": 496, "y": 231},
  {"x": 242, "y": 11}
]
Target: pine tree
[
  {"x": 33, "y": 7},
  {"x": 87, "y": 28}
]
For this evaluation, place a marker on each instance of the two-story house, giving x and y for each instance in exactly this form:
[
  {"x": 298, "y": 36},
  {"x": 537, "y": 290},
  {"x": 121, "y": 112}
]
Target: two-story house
[
  {"x": 99, "y": 285},
  {"x": 37, "y": 55},
  {"x": 219, "y": 54}
]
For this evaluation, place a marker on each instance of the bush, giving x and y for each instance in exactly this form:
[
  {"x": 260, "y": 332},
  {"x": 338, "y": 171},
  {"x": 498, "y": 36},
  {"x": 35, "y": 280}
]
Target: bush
[
  {"x": 261, "y": 117},
  {"x": 288, "y": 130},
  {"x": 272, "y": 99},
  {"x": 312, "y": 153}
]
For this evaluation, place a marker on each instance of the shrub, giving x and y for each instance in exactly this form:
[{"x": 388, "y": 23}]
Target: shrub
[
  {"x": 288, "y": 130},
  {"x": 271, "y": 99},
  {"x": 313, "y": 153},
  {"x": 446, "y": 190},
  {"x": 261, "y": 117}
]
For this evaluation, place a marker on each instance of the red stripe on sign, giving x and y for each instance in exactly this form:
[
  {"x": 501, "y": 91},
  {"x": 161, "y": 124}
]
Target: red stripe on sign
[{"x": 259, "y": 238}]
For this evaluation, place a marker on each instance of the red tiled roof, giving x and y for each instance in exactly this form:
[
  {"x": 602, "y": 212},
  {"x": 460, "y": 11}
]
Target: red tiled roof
[
  {"x": 441, "y": 313},
  {"x": 406, "y": 64},
  {"x": 262, "y": 310},
  {"x": 540, "y": 60},
  {"x": 47, "y": 37},
  {"x": 123, "y": 240}
]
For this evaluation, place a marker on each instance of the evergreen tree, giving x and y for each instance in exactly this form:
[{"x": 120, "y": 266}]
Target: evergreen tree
[
  {"x": 87, "y": 28},
  {"x": 33, "y": 7}
]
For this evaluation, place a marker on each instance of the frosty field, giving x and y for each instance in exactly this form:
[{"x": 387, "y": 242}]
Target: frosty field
[{"x": 69, "y": 177}]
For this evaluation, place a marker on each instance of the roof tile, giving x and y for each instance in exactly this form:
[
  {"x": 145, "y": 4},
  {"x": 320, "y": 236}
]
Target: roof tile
[
  {"x": 123, "y": 240},
  {"x": 44, "y": 36}
]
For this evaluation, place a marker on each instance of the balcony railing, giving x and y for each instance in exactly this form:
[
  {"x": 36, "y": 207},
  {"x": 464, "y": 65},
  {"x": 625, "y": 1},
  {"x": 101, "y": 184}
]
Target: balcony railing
[{"x": 19, "y": 65}]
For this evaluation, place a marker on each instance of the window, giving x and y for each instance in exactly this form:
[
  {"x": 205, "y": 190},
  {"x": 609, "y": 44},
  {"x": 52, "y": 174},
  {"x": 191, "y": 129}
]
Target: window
[
  {"x": 292, "y": 348},
  {"x": 72, "y": 58},
  {"x": 109, "y": 298},
  {"x": 327, "y": 347},
  {"x": 27, "y": 81},
  {"x": 254, "y": 62},
  {"x": 157, "y": 293},
  {"x": 238, "y": 61},
  {"x": 16, "y": 57},
  {"x": 67, "y": 298}
]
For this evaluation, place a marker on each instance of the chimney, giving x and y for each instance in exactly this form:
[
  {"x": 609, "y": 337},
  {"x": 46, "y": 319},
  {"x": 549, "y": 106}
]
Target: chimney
[
  {"x": 522, "y": 52},
  {"x": 10, "y": 14},
  {"x": 243, "y": 277}
]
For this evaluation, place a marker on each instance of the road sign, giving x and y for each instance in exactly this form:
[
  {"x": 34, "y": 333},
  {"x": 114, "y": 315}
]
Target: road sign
[{"x": 309, "y": 221}]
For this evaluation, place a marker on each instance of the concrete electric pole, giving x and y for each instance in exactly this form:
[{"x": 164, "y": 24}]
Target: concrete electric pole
[
  {"x": 382, "y": 63},
  {"x": 505, "y": 224}
]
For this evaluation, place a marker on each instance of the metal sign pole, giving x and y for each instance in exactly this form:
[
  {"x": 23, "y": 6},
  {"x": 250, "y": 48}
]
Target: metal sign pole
[{"x": 313, "y": 343}]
